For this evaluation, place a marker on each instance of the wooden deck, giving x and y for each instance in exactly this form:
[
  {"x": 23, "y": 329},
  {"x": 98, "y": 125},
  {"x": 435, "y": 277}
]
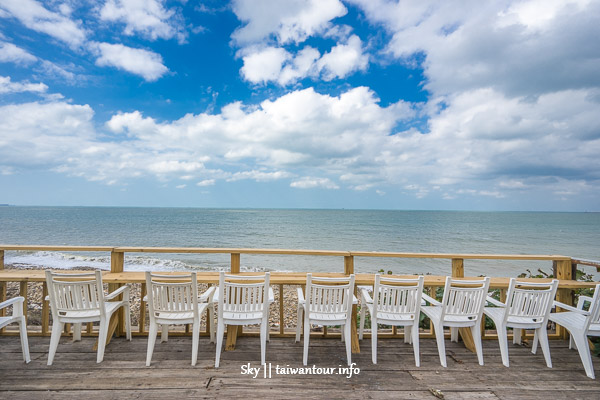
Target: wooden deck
[{"x": 123, "y": 374}]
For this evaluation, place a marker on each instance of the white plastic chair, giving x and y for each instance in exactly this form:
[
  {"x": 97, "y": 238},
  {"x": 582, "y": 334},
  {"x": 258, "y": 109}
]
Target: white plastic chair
[
  {"x": 328, "y": 304},
  {"x": 461, "y": 307},
  {"x": 395, "y": 302},
  {"x": 243, "y": 300},
  {"x": 79, "y": 298},
  {"x": 173, "y": 300},
  {"x": 527, "y": 307},
  {"x": 581, "y": 324},
  {"x": 18, "y": 318}
]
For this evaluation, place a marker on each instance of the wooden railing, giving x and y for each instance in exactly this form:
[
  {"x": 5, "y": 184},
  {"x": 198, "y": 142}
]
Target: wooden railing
[{"x": 117, "y": 276}]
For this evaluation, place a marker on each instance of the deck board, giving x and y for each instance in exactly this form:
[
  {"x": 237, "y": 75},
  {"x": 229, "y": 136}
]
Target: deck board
[{"x": 123, "y": 374}]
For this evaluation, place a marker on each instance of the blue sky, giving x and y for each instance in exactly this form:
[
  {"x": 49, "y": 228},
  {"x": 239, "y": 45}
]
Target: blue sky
[{"x": 464, "y": 105}]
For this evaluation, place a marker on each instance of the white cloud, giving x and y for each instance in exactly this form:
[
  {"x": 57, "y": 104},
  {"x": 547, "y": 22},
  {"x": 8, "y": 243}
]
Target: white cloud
[
  {"x": 150, "y": 18},
  {"x": 206, "y": 182},
  {"x": 7, "y": 86},
  {"x": 11, "y": 53},
  {"x": 145, "y": 63},
  {"x": 35, "y": 16},
  {"x": 259, "y": 176},
  {"x": 275, "y": 64},
  {"x": 288, "y": 21},
  {"x": 311, "y": 183}
]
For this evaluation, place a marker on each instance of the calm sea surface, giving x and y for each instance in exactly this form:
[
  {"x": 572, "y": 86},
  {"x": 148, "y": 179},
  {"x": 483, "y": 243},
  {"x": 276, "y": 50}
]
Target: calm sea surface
[{"x": 569, "y": 234}]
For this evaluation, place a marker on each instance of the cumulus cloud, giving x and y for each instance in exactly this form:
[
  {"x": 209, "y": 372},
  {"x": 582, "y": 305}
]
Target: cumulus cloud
[
  {"x": 145, "y": 63},
  {"x": 7, "y": 86},
  {"x": 284, "y": 20},
  {"x": 14, "y": 54},
  {"x": 275, "y": 64},
  {"x": 35, "y": 16},
  {"x": 149, "y": 18}
]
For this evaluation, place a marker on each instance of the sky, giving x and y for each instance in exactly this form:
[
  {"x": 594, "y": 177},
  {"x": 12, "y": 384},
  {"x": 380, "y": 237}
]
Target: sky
[{"x": 369, "y": 104}]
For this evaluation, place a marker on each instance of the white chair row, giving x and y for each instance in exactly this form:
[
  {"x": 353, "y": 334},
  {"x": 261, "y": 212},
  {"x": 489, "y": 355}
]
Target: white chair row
[{"x": 244, "y": 300}]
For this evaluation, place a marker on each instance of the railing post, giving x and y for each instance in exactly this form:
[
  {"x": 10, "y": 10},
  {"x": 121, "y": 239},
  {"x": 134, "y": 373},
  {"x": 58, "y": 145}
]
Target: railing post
[
  {"x": 235, "y": 263},
  {"x": 349, "y": 270},
  {"x": 2, "y": 287},
  {"x": 117, "y": 265},
  {"x": 232, "y": 330},
  {"x": 458, "y": 268},
  {"x": 564, "y": 272}
]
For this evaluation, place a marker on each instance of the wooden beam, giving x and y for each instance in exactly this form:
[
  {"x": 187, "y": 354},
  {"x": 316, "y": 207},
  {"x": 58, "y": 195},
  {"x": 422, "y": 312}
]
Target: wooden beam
[
  {"x": 458, "y": 268},
  {"x": 564, "y": 272},
  {"x": 23, "y": 293},
  {"x": 2, "y": 288},
  {"x": 232, "y": 331},
  {"x": 45, "y": 310},
  {"x": 235, "y": 263},
  {"x": 112, "y": 327}
]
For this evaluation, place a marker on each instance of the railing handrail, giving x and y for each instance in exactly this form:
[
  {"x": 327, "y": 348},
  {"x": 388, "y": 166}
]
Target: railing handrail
[{"x": 339, "y": 253}]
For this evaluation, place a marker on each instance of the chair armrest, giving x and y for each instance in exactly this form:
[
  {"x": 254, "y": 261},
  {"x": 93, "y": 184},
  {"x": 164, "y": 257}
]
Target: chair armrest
[
  {"x": 582, "y": 300},
  {"x": 12, "y": 301},
  {"x": 207, "y": 296},
  {"x": 300, "y": 295},
  {"x": 495, "y": 302},
  {"x": 570, "y": 308},
  {"x": 365, "y": 297},
  {"x": 430, "y": 299},
  {"x": 121, "y": 290}
]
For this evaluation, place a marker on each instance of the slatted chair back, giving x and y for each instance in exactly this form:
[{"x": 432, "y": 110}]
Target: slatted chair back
[
  {"x": 329, "y": 295},
  {"x": 243, "y": 294},
  {"x": 464, "y": 298},
  {"x": 397, "y": 296},
  {"x": 593, "y": 321},
  {"x": 75, "y": 292},
  {"x": 531, "y": 301},
  {"x": 173, "y": 294}
]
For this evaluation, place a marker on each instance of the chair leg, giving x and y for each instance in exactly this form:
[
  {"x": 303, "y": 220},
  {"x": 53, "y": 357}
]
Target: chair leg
[
  {"x": 543, "y": 335},
  {"x": 363, "y": 314},
  {"x": 534, "y": 345},
  {"x": 342, "y": 333},
  {"x": 151, "y": 342},
  {"x": 373, "y": 343},
  {"x": 24, "y": 342},
  {"x": 503, "y": 343},
  {"x": 516, "y": 335},
  {"x": 220, "y": 333},
  {"x": 439, "y": 337},
  {"x": 415, "y": 342},
  {"x": 476, "y": 332},
  {"x": 57, "y": 328},
  {"x": 584, "y": 352},
  {"x": 347, "y": 327},
  {"x": 195, "y": 339},
  {"x": 164, "y": 333},
  {"x": 299, "y": 322},
  {"x": 454, "y": 334},
  {"x": 77, "y": 332},
  {"x": 211, "y": 318},
  {"x": 128, "y": 321},
  {"x": 408, "y": 334},
  {"x": 102, "y": 338},
  {"x": 306, "y": 338},
  {"x": 263, "y": 342}
]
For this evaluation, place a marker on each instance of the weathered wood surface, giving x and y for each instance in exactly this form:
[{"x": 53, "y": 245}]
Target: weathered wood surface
[{"x": 122, "y": 374}]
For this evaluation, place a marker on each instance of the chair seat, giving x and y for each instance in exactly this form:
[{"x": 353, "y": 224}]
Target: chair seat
[
  {"x": 91, "y": 315},
  {"x": 435, "y": 313},
  {"x": 6, "y": 320},
  {"x": 173, "y": 317},
  {"x": 497, "y": 315}
]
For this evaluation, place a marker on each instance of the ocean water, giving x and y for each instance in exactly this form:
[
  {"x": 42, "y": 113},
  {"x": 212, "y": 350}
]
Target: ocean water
[{"x": 569, "y": 234}]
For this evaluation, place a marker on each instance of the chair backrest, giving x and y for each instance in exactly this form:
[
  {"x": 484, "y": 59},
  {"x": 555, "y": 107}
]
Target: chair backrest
[
  {"x": 530, "y": 300},
  {"x": 172, "y": 293},
  {"x": 593, "y": 321},
  {"x": 397, "y": 296},
  {"x": 75, "y": 292},
  {"x": 326, "y": 295},
  {"x": 464, "y": 298},
  {"x": 243, "y": 293}
]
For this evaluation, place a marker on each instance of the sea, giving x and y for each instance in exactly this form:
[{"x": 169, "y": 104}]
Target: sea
[{"x": 547, "y": 233}]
